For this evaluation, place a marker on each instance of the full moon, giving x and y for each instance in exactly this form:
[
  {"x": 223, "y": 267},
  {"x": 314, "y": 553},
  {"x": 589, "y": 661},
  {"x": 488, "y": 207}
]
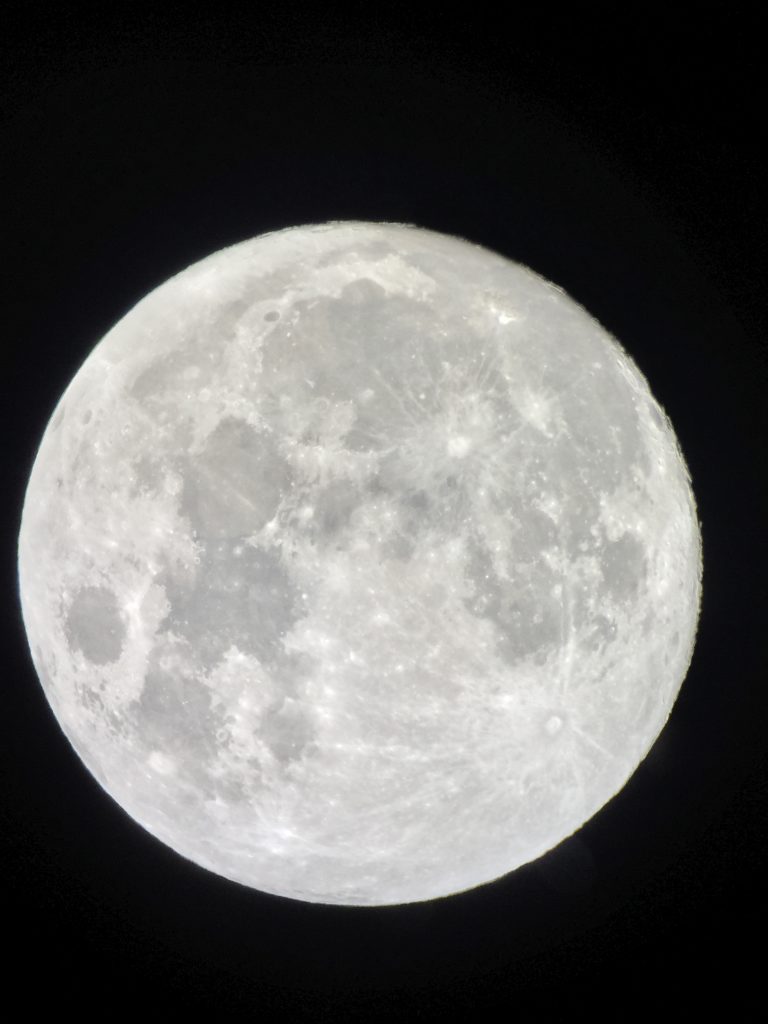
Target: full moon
[{"x": 359, "y": 564}]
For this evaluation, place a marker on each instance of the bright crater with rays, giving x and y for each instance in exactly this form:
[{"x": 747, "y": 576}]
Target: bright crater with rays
[{"x": 359, "y": 564}]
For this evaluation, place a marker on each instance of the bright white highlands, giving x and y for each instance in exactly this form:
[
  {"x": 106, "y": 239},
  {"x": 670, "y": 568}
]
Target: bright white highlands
[{"x": 359, "y": 564}]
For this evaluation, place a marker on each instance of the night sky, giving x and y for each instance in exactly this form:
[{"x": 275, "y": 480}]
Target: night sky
[{"x": 615, "y": 152}]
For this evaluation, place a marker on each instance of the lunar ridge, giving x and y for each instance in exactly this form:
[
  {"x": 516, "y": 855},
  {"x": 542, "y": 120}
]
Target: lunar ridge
[{"x": 359, "y": 564}]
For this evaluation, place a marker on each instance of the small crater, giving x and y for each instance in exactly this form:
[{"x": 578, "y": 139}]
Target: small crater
[
  {"x": 272, "y": 316},
  {"x": 553, "y": 725},
  {"x": 94, "y": 625}
]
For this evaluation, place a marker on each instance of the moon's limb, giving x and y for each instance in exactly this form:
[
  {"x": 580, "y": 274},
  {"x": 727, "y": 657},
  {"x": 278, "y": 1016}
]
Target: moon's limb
[{"x": 359, "y": 564}]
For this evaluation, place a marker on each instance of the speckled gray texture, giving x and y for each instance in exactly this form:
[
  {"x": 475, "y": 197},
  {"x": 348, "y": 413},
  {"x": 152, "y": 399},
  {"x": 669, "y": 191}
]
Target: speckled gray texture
[{"x": 359, "y": 564}]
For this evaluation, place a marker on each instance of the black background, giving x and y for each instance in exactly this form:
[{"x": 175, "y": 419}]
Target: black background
[{"x": 613, "y": 151}]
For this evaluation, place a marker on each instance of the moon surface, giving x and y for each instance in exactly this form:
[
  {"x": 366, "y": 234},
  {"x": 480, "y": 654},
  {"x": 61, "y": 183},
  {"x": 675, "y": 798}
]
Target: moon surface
[{"x": 359, "y": 564}]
